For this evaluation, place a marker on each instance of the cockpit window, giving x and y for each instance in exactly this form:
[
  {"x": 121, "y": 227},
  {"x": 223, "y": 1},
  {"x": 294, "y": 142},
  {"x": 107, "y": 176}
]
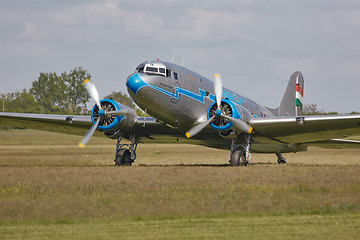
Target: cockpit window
[{"x": 151, "y": 69}]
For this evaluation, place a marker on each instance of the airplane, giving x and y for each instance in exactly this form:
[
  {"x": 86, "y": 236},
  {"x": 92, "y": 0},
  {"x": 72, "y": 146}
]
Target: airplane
[{"x": 189, "y": 108}]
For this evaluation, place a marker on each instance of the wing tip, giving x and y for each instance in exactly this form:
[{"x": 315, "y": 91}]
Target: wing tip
[
  {"x": 81, "y": 145},
  {"x": 187, "y": 135}
]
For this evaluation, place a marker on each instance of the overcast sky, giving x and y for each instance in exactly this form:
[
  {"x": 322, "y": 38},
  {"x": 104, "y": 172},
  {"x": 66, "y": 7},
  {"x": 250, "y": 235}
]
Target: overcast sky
[{"x": 255, "y": 45}]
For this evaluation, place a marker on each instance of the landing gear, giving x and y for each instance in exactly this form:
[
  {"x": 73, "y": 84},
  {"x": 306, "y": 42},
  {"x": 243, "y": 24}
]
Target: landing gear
[
  {"x": 240, "y": 157},
  {"x": 281, "y": 159},
  {"x": 126, "y": 156}
]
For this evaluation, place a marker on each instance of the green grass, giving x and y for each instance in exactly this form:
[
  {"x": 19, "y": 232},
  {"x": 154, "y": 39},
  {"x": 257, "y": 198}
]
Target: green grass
[
  {"x": 50, "y": 188},
  {"x": 340, "y": 226}
]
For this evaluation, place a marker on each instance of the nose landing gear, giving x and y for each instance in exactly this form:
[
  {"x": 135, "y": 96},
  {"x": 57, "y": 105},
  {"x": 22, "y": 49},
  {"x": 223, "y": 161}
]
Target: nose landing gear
[
  {"x": 240, "y": 157},
  {"x": 126, "y": 153}
]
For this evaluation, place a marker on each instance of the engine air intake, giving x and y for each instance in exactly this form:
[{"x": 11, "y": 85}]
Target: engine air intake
[{"x": 107, "y": 121}]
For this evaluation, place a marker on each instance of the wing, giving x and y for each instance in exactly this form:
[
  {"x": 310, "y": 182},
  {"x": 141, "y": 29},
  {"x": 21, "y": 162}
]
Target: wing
[
  {"x": 146, "y": 128},
  {"x": 311, "y": 130},
  {"x": 337, "y": 143},
  {"x": 70, "y": 124}
]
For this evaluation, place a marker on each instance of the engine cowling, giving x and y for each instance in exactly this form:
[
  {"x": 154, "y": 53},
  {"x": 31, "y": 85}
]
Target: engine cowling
[
  {"x": 222, "y": 124},
  {"x": 227, "y": 108},
  {"x": 112, "y": 124}
]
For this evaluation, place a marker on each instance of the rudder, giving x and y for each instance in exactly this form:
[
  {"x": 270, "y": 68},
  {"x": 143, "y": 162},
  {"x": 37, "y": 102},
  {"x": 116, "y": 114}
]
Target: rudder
[{"x": 292, "y": 101}]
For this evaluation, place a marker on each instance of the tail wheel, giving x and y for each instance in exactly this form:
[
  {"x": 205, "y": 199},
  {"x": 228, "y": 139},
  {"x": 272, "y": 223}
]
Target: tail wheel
[
  {"x": 105, "y": 120},
  {"x": 225, "y": 109}
]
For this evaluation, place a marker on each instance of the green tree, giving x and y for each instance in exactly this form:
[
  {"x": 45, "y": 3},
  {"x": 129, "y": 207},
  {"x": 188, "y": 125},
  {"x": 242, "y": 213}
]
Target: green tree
[
  {"x": 61, "y": 94},
  {"x": 22, "y": 102},
  {"x": 48, "y": 90},
  {"x": 312, "y": 109},
  {"x": 76, "y": 94}
]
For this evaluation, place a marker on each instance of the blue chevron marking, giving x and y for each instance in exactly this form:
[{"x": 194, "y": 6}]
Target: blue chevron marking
[{"x": 135, "y": 83}]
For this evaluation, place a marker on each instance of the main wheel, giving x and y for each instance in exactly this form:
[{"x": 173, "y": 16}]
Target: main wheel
[
  {"x": 123, "y": 158},
  {"x": 238, "y": 158}
]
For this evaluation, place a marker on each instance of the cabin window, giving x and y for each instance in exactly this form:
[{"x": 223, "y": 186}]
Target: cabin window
[{"x": 175, "y": 75}]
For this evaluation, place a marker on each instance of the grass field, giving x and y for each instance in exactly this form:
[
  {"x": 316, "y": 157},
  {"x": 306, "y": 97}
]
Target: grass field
[{"x": 49, "y": 188}]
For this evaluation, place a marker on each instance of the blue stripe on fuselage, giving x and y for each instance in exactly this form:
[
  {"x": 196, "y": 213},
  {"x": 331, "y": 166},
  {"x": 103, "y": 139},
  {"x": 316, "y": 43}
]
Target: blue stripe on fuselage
[{"x": 135, "y": 83}]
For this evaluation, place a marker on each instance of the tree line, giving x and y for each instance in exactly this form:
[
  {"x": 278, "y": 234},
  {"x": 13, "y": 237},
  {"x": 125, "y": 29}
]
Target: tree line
[
  {"x": 312, "y": 109},
  {"x": 57, "y": 94},
  {"x": 65, "y": 94}
]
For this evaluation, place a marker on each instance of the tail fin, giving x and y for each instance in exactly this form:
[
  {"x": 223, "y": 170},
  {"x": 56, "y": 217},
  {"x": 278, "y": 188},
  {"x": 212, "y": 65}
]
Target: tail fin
[{"x": 292, "y": 101}]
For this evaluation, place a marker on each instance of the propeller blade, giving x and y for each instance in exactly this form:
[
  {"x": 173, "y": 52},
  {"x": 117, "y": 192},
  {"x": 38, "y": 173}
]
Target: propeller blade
[
  {"x": 91, "y": 89},
  {"x": 240, "y": 124},
  {"x": 122, "y": 112},
  {"x": 89, "y": 134},
  {"x": 197, "y": 128},
  {"x": 218, "y": 89}
]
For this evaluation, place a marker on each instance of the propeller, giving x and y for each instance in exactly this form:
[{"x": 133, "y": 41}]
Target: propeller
[
  {"x": 218, "y": 90},
  {"x": 238, "y": 123},
  {"x": 91, "y": 89},
  {"x": 89, "y": 134},
  {"x": 197, "y": 128},
  {"x": 94, "y": 94},
  {"x": 218, "y": 93}
]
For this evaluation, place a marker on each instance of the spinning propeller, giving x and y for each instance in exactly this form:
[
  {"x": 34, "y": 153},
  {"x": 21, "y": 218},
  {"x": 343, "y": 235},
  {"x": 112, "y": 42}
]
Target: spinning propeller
[
  {"x": 219, "y": 114},
  {"x": 103, "y": 114}
]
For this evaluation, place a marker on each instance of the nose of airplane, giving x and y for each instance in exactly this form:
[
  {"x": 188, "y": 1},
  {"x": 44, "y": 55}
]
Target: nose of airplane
[{"x": 135, "y": 82}]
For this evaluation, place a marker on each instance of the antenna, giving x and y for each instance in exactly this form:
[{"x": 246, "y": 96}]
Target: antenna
[
  {"x": 172, "y": 59},
  {"x": 182, "y": 63}
]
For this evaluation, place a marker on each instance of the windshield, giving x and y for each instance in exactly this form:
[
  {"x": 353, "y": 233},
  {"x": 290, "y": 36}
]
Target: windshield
[{"x": 153, "y": 68}]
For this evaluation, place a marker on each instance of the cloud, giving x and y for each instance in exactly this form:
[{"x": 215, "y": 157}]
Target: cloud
[
  {"x": 203, "y": 25},
  {"x": 248, "y": 41}
]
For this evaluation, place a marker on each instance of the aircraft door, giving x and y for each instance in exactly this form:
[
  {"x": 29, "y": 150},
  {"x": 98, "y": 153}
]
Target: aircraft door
[{"x": 175, "y": 83}]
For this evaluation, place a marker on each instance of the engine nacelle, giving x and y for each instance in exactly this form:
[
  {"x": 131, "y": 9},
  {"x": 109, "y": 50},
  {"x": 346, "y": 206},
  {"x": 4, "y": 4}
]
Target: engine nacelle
[
  {"x": 228, "y": 108},
  {"x": 112, "y": 124}
]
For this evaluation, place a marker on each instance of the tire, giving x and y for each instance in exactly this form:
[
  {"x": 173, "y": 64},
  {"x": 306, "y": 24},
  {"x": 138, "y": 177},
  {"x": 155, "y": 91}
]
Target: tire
[
  {"x": 123, "y": 158},
  {"x": 238, "y": 159},
  {"x": 235, "y": 158}
]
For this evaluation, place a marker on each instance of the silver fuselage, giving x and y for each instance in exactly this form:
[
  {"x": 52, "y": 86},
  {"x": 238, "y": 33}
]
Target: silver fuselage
[{"x": 184, "y": 101}]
